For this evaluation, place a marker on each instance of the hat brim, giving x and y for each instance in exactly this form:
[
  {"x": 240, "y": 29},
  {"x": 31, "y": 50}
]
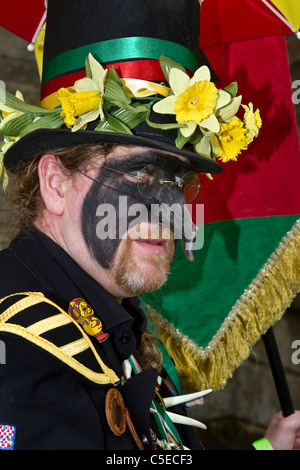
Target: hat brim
[{"x": 44, "y": 140}]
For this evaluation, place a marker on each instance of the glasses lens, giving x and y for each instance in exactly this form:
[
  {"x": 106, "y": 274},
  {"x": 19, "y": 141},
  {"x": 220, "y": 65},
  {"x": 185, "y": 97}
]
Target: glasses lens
[
  {"x": 149, "y": 181},
  {"x": 191, "y": 186}
]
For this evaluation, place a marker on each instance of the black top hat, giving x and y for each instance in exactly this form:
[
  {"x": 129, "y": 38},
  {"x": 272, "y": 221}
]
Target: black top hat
[{"x": 127, "y": 37}]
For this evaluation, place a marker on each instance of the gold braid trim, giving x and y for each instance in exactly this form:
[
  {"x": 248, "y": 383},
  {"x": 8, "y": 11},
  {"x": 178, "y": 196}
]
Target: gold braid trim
[
  {"x": 262, "y": 304},
  {"x": 63, "y": 353}
]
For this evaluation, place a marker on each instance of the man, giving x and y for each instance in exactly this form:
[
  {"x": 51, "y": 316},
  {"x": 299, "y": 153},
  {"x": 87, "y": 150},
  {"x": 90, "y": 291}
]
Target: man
[
  {"x": 105, "y": 274},
  {"x": 82, "y": 372}
]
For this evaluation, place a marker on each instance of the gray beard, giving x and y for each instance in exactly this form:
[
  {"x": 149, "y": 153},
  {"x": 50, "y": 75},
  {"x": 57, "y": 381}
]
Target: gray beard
[{"x": 135, "y": 280}]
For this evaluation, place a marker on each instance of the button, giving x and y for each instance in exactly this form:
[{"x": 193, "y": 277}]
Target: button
[{"x": 125, "y": 338}]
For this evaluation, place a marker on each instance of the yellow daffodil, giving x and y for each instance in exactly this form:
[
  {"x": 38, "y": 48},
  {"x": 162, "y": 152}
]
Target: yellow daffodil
[
  {"x": 86, "y": 102},
  {"x": 252, "y": 121},
  {"x": 230, "y": 140},
  {"x": 78, "y": 104},
  {"x": 197, "y": 102},
  {"x": 194, "y": 100}
]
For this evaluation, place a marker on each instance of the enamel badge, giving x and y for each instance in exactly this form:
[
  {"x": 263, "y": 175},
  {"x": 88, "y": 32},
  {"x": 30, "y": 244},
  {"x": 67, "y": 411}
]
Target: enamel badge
[
  {"x": 81, "y": 311},
  {"x": 7, "y": 437}
]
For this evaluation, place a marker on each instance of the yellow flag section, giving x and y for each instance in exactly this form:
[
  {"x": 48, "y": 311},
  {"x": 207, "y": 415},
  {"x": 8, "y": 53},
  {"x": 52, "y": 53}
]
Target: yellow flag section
[{"x": 290, "y": 9}]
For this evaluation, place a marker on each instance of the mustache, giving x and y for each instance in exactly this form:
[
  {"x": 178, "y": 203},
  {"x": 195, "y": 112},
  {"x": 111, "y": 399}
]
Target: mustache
[{"x": 170, "y": 223}]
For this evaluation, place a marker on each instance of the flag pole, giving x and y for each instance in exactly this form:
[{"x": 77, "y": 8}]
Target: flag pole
[{"x": 278, "y": 373}]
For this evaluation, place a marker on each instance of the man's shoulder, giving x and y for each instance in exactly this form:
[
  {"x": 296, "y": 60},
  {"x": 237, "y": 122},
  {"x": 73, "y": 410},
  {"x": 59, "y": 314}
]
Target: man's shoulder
[
  {"x": 32, "y": 317},
  {"x": 15, "y": 275}
]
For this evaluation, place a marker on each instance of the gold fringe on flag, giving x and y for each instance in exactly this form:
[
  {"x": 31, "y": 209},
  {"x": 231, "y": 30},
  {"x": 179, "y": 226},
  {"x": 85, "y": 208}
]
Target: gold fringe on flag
[{"x": 261, "y": 305}]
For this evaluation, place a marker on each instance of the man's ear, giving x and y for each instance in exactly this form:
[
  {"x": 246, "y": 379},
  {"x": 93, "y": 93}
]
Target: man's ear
[{"x": 52, "y": 184}]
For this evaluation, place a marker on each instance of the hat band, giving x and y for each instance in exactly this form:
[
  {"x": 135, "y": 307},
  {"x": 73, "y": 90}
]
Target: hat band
[
  {"x": 138, "y": 69},
  {"x": 135, "y": 88},
  {"x": 115, "y": 50}
]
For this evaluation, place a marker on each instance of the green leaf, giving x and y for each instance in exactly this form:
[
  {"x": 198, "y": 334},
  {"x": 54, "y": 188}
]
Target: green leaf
[
  {"x": 13, "y": 127},
  {"x": 165, "y": 127},
  {"x": 53, "y": 121},
  {"x": 88, "y": 68},
  {"x": 168, "y": 64},
  {"x": 131, "y": 118},
  {"x": 196, "y": 137},
  {"x": 112, "y": 75},
  {"x": 112, "y": 124},
  {"x": 136, "y": 107},
  {"x": 12, "y": 102},
  {"x": 232, "y": 89},
  {"x": 115, "y": 93},
  {"x": 180, "y": 140}
]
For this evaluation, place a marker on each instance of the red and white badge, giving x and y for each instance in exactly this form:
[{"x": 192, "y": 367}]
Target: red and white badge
[{"x": 7, "y": 436}]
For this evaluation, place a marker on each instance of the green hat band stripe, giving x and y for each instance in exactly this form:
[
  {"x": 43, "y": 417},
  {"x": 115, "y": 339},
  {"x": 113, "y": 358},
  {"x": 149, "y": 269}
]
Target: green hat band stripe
[{"x": 115, "y": 50}]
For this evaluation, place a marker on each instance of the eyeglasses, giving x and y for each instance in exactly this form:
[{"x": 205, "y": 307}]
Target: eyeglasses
[{"x": 150, "y": 179}]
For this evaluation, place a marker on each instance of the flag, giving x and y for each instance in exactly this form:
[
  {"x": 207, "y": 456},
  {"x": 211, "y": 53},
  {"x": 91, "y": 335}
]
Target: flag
[
  {"x": 24, "y": 19},
  {"x": 228, "y": 20},
  {"x": 211, "y": 312}
]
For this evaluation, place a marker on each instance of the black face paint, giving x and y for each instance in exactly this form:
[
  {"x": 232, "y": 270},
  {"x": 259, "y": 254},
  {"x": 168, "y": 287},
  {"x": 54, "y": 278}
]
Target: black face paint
[
  {"x": 168, "y": 197},
  {"x": 108, "y": 188}
]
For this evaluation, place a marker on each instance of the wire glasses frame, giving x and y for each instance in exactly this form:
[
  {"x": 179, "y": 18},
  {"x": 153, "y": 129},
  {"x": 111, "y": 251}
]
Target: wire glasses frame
[{"x": 150, "y": 179}]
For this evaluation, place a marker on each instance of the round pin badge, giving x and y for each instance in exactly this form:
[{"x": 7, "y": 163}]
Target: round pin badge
[
  {"x": 115, "y": 412},
  {"x": 133, "y": 431}
]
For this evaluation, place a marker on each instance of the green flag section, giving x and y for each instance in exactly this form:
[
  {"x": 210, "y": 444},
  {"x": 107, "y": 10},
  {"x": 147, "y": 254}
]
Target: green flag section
[
  {"x": 206, "y": 331},
  {"x": 211, "y": 312}
]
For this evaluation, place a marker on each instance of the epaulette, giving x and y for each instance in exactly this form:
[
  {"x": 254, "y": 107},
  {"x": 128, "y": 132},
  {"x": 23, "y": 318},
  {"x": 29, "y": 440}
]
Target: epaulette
[{"x": 33, "y": 317}]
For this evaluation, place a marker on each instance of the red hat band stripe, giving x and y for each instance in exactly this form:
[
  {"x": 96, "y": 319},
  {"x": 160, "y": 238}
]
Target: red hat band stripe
[{"x": 149, "y": 70}]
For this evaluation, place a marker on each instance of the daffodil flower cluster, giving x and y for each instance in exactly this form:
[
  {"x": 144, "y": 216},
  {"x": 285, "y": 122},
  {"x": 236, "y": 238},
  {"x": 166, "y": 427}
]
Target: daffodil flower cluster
[
  {"x": 208, "y": 116},
  {"x": 205, "y": 116}
]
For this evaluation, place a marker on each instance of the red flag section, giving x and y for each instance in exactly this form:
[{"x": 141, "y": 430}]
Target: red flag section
[
  {"x": 23, "y": 18},
  {"x": 265, "y": 179},
  {"x": 232, "y": 20}
]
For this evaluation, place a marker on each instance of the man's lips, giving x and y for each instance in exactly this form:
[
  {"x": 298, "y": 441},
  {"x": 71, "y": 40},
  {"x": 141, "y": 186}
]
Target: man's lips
[
  {"x": 151, "y": 240},
  {"x": 154, "y": 245}
]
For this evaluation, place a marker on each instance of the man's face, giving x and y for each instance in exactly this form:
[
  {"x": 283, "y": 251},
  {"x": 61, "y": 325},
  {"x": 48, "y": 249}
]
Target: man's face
[{"x": 135, "y": 256}]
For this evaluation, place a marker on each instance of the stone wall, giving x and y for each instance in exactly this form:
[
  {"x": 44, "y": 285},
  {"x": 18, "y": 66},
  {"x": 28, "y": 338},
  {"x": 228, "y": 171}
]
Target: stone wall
[
  {"x": 241, "y": 411},
  {"x": 18, "y": 71}
]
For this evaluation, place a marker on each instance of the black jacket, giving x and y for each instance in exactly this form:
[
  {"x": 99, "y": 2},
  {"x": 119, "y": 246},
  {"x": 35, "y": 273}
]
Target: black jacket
[{"x": 53, "y": 400}]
